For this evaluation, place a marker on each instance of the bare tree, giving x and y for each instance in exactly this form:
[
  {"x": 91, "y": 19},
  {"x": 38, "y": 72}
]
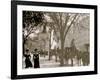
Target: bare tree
[{"x": 62, "y": 22}]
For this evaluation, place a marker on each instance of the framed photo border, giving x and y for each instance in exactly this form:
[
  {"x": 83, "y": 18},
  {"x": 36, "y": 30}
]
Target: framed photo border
[{"x": 14, "y": 39}]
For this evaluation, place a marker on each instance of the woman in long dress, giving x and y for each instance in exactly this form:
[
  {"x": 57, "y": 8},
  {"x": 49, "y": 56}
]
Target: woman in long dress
[
  {"x": 36, "y": 59},
  {"x": 27, "y": 59}
]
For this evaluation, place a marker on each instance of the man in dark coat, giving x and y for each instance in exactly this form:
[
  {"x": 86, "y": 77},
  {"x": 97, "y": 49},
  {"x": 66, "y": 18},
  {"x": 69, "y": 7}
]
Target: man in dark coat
[{"x": 36, "y": 59}]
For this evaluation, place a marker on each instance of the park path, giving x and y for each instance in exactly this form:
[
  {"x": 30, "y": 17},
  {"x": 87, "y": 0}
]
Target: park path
[{"x": 44, "y": 62}]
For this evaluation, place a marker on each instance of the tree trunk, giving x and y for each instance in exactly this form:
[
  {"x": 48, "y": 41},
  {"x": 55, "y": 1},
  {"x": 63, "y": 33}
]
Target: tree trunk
[
  {"x": 72, "y": 62},
  {"x": 62, "y": 53},
  {"x": 50, "y": 47},
  {"x": 49, "y": 55},
  {"x": 24, "y": 42},
  {"x": 55, "y": 55}
]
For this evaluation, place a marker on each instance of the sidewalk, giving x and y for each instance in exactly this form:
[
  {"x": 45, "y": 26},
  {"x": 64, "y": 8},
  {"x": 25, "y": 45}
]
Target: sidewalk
[{"x": 44, "y": 62}]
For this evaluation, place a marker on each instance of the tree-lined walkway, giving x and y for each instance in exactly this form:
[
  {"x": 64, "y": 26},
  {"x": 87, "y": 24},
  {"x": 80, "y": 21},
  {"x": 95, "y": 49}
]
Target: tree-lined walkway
[{"x": 44, "y": 62}]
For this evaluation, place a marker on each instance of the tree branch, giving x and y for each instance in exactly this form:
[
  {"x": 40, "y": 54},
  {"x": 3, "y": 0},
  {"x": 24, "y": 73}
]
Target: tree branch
[
  {"x": 70, "y": 26},
  {"x": 60, "y": 20},
  {"x": 54, "y": 18},
  {"x": 66, "y": 21},
  {"x": 25, "y": 38}
]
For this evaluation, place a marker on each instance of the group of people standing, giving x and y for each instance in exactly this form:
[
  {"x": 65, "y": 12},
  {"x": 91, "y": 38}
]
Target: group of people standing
[{"x": 28, "y": 62}]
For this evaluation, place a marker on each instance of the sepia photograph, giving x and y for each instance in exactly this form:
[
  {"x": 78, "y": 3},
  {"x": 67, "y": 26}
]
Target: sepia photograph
[{"x": 55, "y": 39}]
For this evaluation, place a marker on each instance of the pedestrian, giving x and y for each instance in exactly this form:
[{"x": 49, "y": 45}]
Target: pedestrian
[
  {"x": 36, "y": 59},
  {"x": 27, "y": 59}
]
